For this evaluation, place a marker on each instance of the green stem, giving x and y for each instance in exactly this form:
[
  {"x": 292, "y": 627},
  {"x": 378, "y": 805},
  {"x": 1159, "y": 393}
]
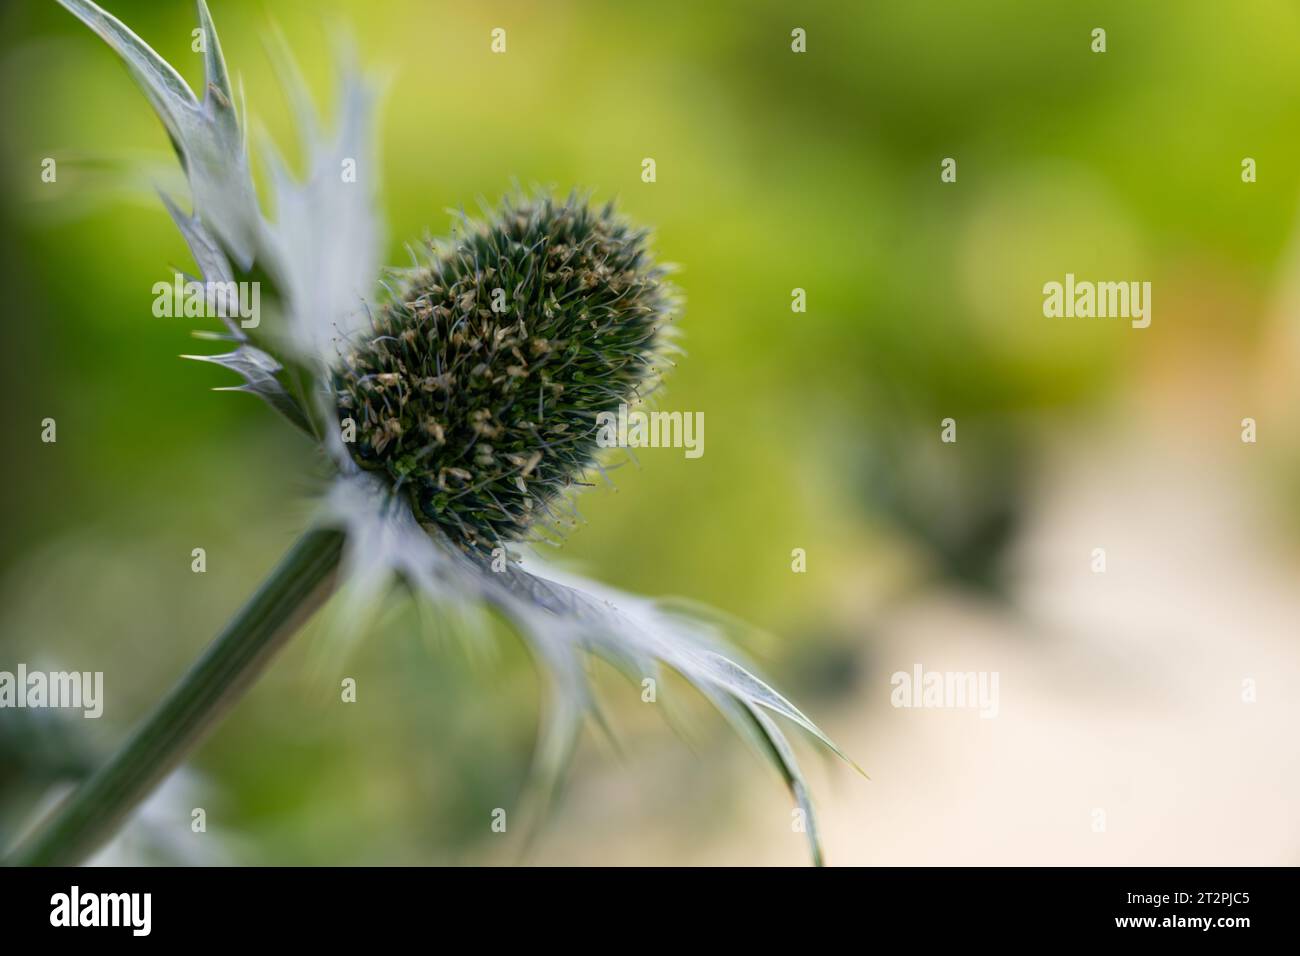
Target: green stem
[{"x": 93, "y": 812}]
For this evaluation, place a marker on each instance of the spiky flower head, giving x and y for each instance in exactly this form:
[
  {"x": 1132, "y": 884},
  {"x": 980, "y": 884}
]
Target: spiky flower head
[
  {"x": 474, "y": 388},
  {"x": 478, "y": 386}
]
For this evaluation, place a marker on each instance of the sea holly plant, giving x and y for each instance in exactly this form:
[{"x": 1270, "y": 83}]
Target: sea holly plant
[{"x": 456, "y": 402}]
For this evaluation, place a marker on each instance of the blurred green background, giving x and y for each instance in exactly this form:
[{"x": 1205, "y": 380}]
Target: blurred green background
[{"x": 775, "y": 170}]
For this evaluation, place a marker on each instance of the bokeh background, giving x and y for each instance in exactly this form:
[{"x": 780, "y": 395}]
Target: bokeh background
[{"x": 1120, "y": 692}]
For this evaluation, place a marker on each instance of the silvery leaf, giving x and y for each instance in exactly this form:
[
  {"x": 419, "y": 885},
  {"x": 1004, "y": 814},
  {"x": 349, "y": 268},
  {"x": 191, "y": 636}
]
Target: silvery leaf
[
  {"x": 563, "y": 619},
  {"x": 259, "y": 370},
  {"x": 325, "y": 242},
  {"x": 206, "y": 133}
]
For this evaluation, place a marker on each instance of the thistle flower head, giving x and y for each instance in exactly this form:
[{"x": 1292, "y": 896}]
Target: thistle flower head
[
  {"x": 474, "y": 388},
  {"x": 478, "y": 385}
]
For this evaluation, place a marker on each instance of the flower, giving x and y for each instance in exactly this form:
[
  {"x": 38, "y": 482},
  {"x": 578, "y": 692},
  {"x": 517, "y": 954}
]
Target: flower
[
  {"x": 478, "y": 386},
  {"x": 456, "y": 400}
]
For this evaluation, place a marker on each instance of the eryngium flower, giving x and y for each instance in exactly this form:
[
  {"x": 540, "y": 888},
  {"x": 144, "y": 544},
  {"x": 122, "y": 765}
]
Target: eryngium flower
[
  {"x": 478, "y": 385},
  {"x": 455, "y": 405}
]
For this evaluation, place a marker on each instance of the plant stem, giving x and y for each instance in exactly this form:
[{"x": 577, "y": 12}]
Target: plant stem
[{"x": 300, "y": 583}]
